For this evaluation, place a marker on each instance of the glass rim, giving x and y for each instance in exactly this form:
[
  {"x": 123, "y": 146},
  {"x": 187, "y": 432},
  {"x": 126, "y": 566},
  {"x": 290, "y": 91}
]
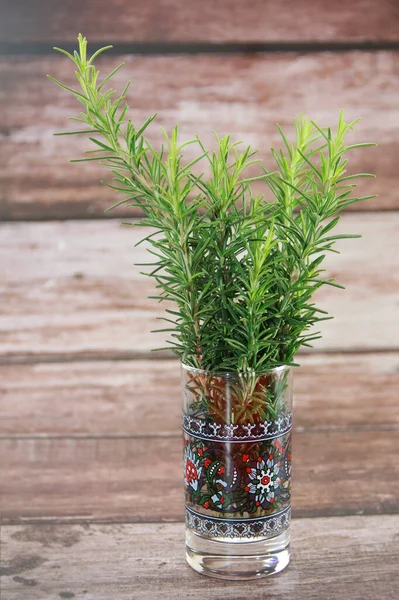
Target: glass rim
[{"x": 234, "y": 374}]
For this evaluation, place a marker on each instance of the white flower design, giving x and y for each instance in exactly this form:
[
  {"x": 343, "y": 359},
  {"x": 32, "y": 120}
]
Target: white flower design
[
  {"x": 263, "y": 481},
  {"x": 192, "y": 469}
]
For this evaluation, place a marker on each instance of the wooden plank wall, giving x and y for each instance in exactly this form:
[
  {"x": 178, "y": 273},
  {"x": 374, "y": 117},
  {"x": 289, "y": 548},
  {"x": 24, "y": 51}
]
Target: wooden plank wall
[
  {"x": 206, "y": 21},
  {"x": 87, "y": 410},
  {"x": 71, "y": 288},
  {"x": 209, "y": 65}
]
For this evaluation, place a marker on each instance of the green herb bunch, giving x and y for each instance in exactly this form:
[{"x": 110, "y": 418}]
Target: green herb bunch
[{"x": 240, "y": 270}]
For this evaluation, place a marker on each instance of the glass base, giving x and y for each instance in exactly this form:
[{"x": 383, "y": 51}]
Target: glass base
[{"x": 240, "y": 559}]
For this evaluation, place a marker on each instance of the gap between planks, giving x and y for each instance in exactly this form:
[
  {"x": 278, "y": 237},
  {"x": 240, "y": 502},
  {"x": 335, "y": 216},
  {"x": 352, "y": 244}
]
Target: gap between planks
[
  {"x": 12, "y": 49},
  {"x": 87, "y": 356},
  {"x": 125, "y": 436},
  {"x": 88, "y": 520},
  {"x": 190, "y": 22},
  {"x": 46, "y": 217}
]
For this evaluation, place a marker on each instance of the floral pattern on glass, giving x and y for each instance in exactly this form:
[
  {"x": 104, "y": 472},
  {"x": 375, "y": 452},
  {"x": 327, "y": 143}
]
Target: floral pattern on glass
[{"x": 238, "y": 479}]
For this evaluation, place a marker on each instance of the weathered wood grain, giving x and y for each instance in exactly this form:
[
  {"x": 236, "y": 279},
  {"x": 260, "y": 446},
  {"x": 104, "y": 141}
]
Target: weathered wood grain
[
  {"x": 345, "y": 557},
  {"x": 142, "y": 397},
  {"x": 140, "y": 479},
  {"x": 70, "y": 290},
  {"x": 244, "y": 95},
  {"x": 190, "y": 21}
]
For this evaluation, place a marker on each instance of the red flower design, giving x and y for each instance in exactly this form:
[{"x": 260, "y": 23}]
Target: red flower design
[
  {"x": 200, "y": 451},
  {"x": 191, "y": 471},
  {"x": 245, "y": 457},
  {"x": 207, "y": 462},
  {"x": 221, "y": 470},
  {"x": 206, "y": 504}
]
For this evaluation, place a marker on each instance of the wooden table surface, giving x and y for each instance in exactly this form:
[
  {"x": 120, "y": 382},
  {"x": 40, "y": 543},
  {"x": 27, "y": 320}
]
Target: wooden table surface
[{"x": 92, "y": 492}]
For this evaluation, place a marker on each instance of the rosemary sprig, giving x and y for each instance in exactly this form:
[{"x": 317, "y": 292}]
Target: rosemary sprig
[{"x": 240, "y": 271}]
